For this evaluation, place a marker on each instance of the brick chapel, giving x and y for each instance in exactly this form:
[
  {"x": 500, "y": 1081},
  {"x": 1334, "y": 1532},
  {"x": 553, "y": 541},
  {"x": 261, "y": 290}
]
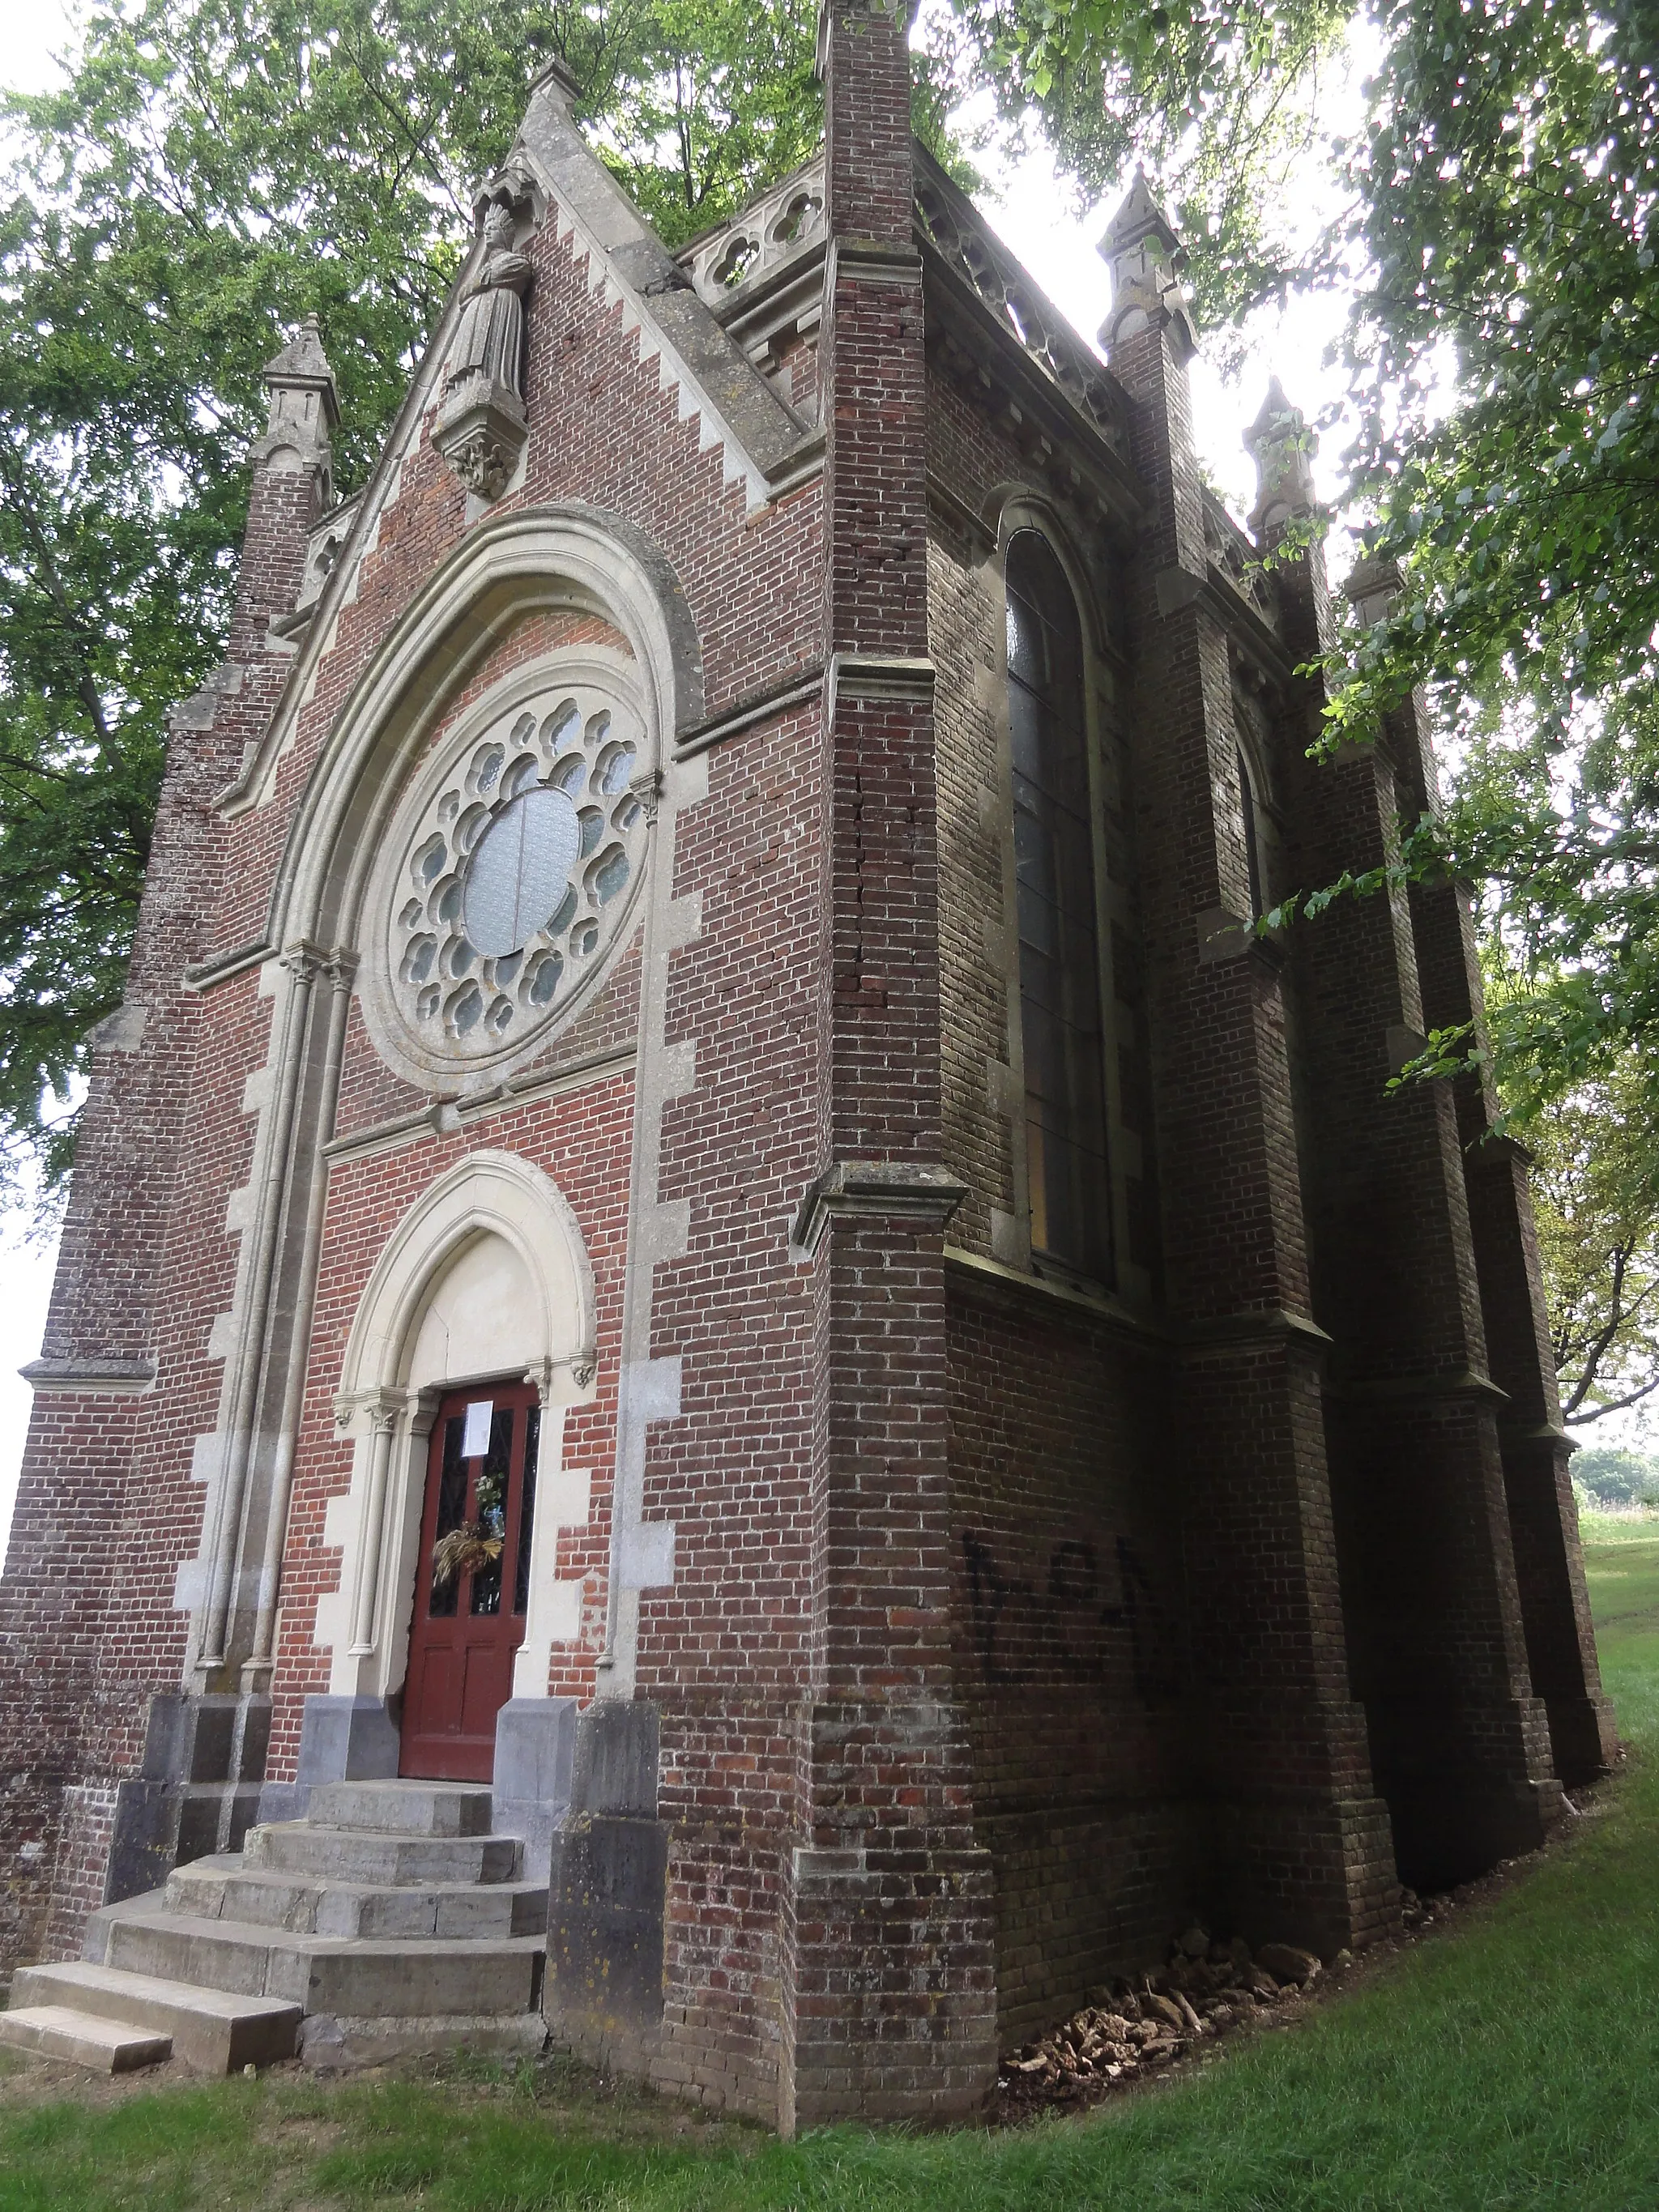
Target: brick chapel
[{"x": 734, "y": 1373}]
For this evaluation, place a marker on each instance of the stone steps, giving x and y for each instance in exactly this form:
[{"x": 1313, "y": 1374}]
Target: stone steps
[
  {"x": 355, "y": 1975},
  {"x": 108, "y": 2047},
  {"x": 215, "y": 2030},
  {"x": 222, "y": 1889},
  {"x": 409, "y": 1809},
  {"x": 389, "y": 1919},
  {"x": 393, "y": 1860}
]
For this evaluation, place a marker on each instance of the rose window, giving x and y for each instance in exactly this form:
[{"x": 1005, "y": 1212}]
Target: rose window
[{"x": 519, "y": 875}]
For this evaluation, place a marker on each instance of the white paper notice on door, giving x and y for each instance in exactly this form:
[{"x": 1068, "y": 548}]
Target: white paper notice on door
[{"x": 476, "y": 1442}]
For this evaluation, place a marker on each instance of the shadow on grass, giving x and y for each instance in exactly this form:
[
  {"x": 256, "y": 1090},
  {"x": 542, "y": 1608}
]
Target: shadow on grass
[{"x": 1510, "y": 2064}]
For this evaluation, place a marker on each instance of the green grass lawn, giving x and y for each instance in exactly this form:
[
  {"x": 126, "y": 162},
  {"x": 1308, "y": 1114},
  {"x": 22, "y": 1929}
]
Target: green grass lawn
[{"x": 1510, "y": 2062}]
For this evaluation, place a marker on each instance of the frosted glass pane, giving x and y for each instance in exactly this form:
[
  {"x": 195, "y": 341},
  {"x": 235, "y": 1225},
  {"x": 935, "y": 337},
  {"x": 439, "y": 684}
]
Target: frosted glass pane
[{"x": 519, "y": 871}]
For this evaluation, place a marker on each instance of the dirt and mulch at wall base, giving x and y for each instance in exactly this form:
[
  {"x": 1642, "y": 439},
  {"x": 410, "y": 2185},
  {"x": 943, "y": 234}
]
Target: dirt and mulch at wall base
[{"x": 1165, "y": 2022}]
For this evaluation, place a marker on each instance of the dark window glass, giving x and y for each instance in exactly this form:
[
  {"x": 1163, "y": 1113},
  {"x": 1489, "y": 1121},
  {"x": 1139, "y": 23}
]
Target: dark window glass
[
  {"x": 1059, "y": 927},
  {"x": 451, "y": 1511},
  {"x": 532, "y": 1442},
  {"x": 1252, "y": 838},
  {"x": 491, "y": 1511}
]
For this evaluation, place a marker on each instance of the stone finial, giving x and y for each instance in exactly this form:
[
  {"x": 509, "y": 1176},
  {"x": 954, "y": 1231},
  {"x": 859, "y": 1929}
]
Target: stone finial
[
  {"x": 303, "y": 406},
  {"x": 1282, "y": 446},
  {"x": 1144, "y": 256},
  {"x": 557, "y": 77}
]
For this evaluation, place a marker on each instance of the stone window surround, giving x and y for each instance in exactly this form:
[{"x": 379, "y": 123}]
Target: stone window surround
[
  {"x": 1253, "y": 742},
  {"x": 1023, "y": 509},
  {"x": 466, "y": 1074}
]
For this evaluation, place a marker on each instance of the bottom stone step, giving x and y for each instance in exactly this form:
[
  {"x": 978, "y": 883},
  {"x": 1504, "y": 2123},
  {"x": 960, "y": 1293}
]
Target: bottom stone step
[
  {"x": 211, "y": 2030},
  {"x": 108, "y": 2047}
]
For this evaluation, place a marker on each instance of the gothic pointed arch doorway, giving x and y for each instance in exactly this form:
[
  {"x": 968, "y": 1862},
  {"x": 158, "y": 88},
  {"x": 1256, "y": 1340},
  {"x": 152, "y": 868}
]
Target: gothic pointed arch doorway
[{"x": 474, "y": 1335}]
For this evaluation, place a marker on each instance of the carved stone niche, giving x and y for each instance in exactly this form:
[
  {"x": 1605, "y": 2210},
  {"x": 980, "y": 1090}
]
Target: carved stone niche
[{"x": 482, "y": 422}]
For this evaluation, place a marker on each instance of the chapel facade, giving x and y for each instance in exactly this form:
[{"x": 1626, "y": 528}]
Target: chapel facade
[{"x": 707, "y": 1223}]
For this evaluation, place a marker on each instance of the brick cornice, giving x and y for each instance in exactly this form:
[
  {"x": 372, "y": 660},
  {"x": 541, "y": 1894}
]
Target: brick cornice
[
  {"x": 1449, "y": 1383},
  {"x": 974, "y": 1273},
  {"x": 873, "y": 261},
  {"x": 792, "y": 690},
  {"x": 1178, "y": 588},
  {"x": 1038, "y": 410}
]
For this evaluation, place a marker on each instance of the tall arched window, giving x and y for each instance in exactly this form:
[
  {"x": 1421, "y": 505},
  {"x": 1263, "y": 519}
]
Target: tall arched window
[
  {"x": 1252, "y": 837},
  {"x": 1059, "y": 993}
]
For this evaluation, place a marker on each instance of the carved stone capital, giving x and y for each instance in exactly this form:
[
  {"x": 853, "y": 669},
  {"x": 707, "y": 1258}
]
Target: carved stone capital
[
  {"x": 302, "y": 960},
  {"x": 374, "y": 1412},
  {"x": 544, "y": 1374},
  {"x": 647, "y": 788}
]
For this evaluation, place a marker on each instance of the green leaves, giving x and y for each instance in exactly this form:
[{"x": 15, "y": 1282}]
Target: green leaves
[
  {"x": 1215, "y": 94},
  {"x": 1504, "y": 361},
  {"x": 1595, "y": 1198},
  {"x": 712, "y": 98}
]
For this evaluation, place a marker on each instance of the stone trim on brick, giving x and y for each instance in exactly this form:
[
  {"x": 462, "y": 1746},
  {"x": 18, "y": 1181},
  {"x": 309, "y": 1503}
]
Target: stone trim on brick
[
  {"x": 763, "y": 437},
  {"x": 387, "y": 1411},
  {"x": 562, "y": 555},
  {"x": 118, "y": 1378},
  {"x": 898, "y": 1190}
]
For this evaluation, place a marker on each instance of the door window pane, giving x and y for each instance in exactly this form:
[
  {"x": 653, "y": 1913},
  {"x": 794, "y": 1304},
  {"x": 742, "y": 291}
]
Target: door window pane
[
  {"x": 489, "y": 1515},
  {"x": 532, "y": 1444},
  {"x": 451, "y": 1511}
]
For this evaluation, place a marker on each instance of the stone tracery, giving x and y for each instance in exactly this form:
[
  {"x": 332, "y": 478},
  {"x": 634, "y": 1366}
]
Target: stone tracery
[{"x": 518, "y": 872}]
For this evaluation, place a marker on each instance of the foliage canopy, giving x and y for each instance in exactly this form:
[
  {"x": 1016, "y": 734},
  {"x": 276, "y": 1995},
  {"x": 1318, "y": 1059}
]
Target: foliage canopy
[
  {"x": 211, "y": 171},
  {"x": 1596, "y": 1196},
  {"x": 1505, "y": 357}
]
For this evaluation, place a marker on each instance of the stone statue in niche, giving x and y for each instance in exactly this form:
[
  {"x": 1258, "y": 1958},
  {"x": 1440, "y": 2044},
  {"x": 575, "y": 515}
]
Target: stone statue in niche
[{"x": 482, "y": 424}]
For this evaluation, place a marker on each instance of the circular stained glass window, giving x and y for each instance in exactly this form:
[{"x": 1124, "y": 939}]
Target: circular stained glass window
[{"x": 519, "y": 875}]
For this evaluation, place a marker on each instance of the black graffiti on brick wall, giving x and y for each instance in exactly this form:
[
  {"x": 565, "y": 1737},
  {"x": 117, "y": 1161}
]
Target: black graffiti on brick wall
[{"x": 1080, "y": 1601}]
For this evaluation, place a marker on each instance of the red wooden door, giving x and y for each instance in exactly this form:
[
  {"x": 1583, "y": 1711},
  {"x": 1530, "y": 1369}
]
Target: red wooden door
[{"x": 472, "y": 1584}]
